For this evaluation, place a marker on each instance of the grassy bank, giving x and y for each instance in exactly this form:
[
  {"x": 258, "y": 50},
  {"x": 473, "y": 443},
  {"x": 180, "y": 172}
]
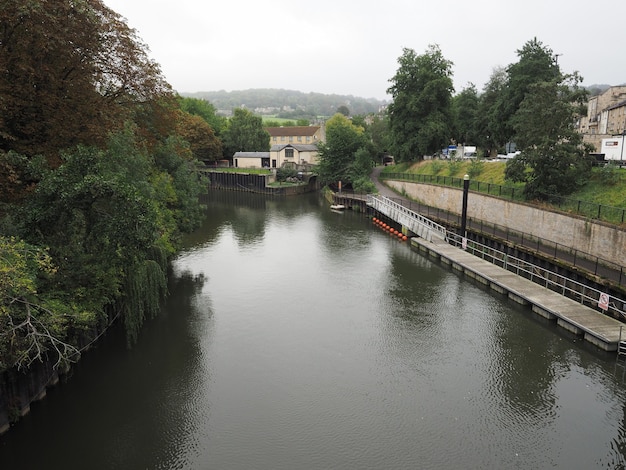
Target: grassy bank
[{"x": 608, "y": 191}]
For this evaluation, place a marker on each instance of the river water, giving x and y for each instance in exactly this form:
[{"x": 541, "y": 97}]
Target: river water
[{"x": 295, "y": 337}]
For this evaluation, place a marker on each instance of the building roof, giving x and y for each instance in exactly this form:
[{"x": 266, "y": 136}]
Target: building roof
[
  {"x": 617, "y": 105},
  {"x": 298, "y": 147},
  {"x": 295, "y": 131},
  {"x": 252, "y": 155}
]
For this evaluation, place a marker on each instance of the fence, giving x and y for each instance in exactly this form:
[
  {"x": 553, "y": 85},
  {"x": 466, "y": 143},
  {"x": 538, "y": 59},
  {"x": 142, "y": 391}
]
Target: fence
[
  {"x": 585, "y": 261},
  {"x": 616, "y": 215},
  {"x": 567, "y": 287}
]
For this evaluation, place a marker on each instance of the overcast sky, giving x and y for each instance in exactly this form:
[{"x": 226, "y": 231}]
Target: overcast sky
[{"x": 351, "y": 47}]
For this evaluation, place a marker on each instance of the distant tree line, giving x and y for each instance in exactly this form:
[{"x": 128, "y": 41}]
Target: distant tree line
[{"x": 288, "y": 104}]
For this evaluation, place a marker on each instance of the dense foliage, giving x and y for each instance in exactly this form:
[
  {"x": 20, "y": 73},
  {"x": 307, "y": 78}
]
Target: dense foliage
[
  {"x": 245, "y": 132},
  {"x": 529, "y": 106},
  {"x": 346, "y": 155},
  {"x": 98, "y": 178},
  {"x": 420, "y": 114},
  {"x": 70, "y": 72},
  {"x": 553, "y": 161}
]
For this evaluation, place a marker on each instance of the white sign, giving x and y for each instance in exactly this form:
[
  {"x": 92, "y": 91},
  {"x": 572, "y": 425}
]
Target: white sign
[{"x": 603, "y": 303}]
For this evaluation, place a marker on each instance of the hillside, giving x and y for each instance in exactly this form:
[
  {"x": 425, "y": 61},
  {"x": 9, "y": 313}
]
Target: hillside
[{"x": 287, "y": 103}]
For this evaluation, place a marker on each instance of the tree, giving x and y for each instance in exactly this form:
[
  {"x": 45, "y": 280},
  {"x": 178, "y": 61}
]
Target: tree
[
  {"x": 487, "y": 124},
  {"x": 111, "y": 219},
  {"x": 203, "y": 143},
  {"x": 343, "y": 109},
  {"x": 70, "y": 72},
  {"x": 465, "y": 111},
  {"x": 553, "y": 162},
  {"x": 420, "y": 113},
  {"x": 206, "y": 111},
  {"x": 33, "y": 327},
  {"x": 245, "y": 132},
  {"x": 536, "y": 64},
  {"x": 337, "y": 154},
  {"x": 379, "y": 133}
]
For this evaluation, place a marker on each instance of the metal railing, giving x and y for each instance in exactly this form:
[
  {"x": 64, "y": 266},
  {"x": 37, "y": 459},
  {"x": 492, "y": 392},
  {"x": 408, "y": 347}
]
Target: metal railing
[
  {"x": 563, "y": 285},
  {"x": 559, "y": 283},
  {"x": 415, "y": 222},
  {"x": 585, "y": 261}
]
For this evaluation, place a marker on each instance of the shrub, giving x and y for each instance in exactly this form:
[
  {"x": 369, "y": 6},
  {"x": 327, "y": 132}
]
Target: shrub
[
  {"x": 609, "y": 174},
  {"x": 286, "y": 172},
  {"x": 454, "y": 165},
  {"x": 475, "y": 168}
]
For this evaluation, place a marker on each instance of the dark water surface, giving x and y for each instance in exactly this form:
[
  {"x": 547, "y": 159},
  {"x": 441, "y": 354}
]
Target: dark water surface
[{"x": 300, "y": 338}]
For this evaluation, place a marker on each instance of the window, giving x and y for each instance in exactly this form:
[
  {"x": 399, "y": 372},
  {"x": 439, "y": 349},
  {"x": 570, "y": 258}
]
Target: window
[{"x": 288, "y": 153}]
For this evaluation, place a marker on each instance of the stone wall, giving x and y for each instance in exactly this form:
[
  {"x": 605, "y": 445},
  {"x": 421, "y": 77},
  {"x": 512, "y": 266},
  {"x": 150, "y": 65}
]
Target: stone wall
[{"x": 585, "y": 235}]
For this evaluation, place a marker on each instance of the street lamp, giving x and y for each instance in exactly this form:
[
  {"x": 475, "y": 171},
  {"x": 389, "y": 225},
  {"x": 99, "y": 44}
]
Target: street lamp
[{"x": 466, "y": 182}]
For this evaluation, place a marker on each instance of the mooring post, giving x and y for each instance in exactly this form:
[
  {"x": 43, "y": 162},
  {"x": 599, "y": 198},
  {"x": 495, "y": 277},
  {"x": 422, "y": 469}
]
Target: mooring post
[{"x": 464, "y": 210}]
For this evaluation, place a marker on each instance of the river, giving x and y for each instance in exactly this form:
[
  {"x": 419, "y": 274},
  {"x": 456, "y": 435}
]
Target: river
[{"x": 295, "y": 337}]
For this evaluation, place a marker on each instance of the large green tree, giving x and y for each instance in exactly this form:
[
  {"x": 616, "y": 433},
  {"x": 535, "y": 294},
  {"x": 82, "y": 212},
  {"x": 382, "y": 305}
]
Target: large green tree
[
  {"x": 111, "y": 218},
  {"x": 245, "y": 133},
  {"x": 93, "y": 223},
  {"x": 465, "y": 110},
  {"x": 206, "y": 110},
  {"x": 554, "y": 161},
  {"x": 420, "y": 114},
  {"x": 536, "y": 64},
  {"x": 487, "y": 126},
  {"x": 337, "y": 156}
]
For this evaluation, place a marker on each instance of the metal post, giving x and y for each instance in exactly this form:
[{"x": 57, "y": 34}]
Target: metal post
[{"x": 464, "y": 211}]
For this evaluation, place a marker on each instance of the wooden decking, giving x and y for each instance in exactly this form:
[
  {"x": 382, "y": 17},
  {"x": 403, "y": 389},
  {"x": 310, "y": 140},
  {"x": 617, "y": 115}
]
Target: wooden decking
[{"x": 596, "y": 328}]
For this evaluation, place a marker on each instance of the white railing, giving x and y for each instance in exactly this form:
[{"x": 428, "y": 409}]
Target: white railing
[
  {"x": 564, "y": 285},
  {"x": 416, "y": 223},
  {"x": 426, "y": 229}
]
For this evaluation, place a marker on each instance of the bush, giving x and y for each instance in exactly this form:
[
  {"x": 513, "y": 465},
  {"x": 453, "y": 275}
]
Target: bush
[
  {"x": 364, "y": 185},
  {"x": 475, "y": 168},
  {"x": 436, "y": 166},
  {"x": 454, "y": 165},
  {"x": 609, "y": 174},
  {"x": 286, "y": 172}
]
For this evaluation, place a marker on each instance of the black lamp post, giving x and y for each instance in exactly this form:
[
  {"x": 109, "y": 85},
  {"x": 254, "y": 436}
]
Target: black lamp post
[{"x": 466, "y": 182}]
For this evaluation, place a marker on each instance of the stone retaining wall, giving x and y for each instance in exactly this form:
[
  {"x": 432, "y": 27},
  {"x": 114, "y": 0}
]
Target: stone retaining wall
[{"x": 588, "y": 236}]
